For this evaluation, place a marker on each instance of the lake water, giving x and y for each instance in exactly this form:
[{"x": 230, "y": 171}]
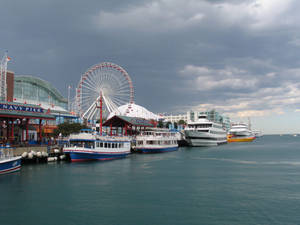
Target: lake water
[{"x": 236, "y": 183}]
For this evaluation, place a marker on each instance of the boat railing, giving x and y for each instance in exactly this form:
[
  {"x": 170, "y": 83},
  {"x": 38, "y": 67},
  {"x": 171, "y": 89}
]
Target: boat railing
[{"x": 152, "y": 137}]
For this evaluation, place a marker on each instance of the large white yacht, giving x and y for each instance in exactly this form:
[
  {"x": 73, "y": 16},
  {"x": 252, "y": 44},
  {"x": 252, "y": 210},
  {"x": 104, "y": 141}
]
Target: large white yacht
[{"x": 205, "y": 132}]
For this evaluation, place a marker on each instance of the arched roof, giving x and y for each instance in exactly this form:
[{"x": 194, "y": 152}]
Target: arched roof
[{"x": 41, "y": 83}]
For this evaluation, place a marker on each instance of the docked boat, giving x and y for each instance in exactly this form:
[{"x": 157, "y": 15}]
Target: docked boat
[
  {"x": 88, "y": 145},
  {"x": 240, "y": 133},
  {"x": 8, "y": 162},
  {"x": 156, "y": 140},
  {"x": 205, "y": 132}
]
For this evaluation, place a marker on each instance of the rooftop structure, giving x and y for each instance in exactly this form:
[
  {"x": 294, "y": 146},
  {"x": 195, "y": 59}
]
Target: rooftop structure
[
  {"x": 133, "y": 110},
  {"x": 128, "y": 125}
]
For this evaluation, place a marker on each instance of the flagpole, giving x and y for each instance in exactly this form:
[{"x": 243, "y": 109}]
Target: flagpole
[{"x": 69, "y": 88}]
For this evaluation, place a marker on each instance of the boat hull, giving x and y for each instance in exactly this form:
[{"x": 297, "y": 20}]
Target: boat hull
[
  {"x": 156, "y": 150},
  {"x": 80, "y": 156},
  {"x": 240, "y": 139},
  {"x": 10, "y": 165},
  {"x": 199, "y": 139},
  {"x": 194, "y": 142}
]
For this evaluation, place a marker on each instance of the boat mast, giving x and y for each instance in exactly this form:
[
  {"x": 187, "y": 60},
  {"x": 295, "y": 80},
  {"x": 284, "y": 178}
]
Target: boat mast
[{"x": 249, "y": 123}]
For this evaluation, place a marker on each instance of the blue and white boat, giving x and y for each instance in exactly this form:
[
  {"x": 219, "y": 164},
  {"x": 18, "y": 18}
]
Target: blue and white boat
[
  {"x": 88, "y": 145},
  {"x": 8, "y": 162},
  {"x": 156, "y": 140}
]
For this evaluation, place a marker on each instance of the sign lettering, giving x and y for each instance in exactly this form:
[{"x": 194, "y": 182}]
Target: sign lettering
[{"x": 21, "y": 108}]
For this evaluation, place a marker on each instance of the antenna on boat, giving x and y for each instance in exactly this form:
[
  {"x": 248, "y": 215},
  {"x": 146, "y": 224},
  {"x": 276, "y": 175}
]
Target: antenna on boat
[{"x": 249, "y": 123}]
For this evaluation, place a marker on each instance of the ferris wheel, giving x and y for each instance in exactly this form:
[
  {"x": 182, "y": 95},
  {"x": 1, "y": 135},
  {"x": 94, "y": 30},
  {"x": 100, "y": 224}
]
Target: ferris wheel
[{"x": 107, "y": 81}]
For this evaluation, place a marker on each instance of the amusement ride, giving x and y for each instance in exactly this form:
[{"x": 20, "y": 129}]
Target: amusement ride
[{"x": 104, "y": 85}]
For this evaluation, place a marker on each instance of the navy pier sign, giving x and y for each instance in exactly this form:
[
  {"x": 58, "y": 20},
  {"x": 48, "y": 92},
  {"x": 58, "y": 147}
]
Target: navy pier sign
[{"x": 21, "y": 108}]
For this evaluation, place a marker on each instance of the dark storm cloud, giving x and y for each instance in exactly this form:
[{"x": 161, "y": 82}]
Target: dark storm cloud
[{"x": 180, "y": 54}]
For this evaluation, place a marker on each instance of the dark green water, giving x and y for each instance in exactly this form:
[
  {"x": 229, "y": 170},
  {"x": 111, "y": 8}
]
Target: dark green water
[{"x": 237, "y": 183}]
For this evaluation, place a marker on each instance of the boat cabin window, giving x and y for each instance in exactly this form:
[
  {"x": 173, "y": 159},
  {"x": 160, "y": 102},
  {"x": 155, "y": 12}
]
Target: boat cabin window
[
  {"x": 149, "y": 142},
  {"x": 201, "y": 125},
  {"x": 147, "y": 133},
  {"x": 204, "y": 125},
  {"x": 110, "y": 145},
  {"x": 78, "y": 143}
]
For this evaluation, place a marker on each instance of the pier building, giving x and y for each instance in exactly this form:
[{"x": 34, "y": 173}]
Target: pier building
[
  {"x": 32, "y": 106},
  {"x": 10, "y": 83},
  {"x": 126, "y": 125},
  {"x": 127, "y": 116},
  {"x": 33, "y": 90},
  {"x": 175, "y": 118},
  {"x": 15, "y": 123}
]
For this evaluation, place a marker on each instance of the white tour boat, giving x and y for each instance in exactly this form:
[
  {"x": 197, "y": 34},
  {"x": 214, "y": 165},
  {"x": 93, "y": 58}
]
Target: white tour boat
[
  {"x": 88, "y": 145},
  {"x": 204, "y": 132},
  {"x": 156, "y": 140}
]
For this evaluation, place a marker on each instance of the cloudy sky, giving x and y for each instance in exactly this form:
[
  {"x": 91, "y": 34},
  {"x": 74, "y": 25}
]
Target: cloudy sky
[{"x": 241, "y": 57}]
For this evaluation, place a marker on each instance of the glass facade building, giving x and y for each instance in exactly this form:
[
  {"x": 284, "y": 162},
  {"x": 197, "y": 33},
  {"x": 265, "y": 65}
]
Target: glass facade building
[{"x": 32, "y": 90}]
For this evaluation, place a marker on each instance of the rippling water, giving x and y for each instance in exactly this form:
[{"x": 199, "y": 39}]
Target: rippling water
[{"x": 236, "y": 183}]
